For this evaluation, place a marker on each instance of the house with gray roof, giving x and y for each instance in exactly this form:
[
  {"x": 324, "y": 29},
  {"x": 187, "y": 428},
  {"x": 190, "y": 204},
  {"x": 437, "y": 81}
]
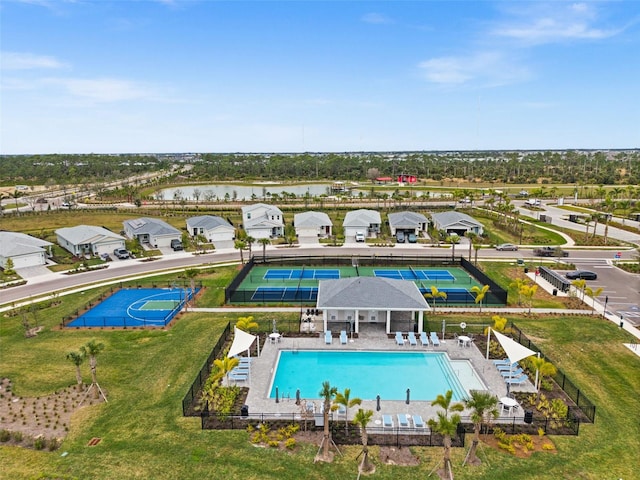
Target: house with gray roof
[
  {"x": 23, "y": 250},
  {"x": 456, "y": 222},
  {"x": 362, "y": 220},
  {"x": 262, "y": 221},
  {"x": 372, "y": 300},
  {"x": 407, "y": 222},
  {"x": 215, "y": 229},
  {"x": 88, "y": 240},
  {"x": 312, "y": 224},
  {"x": 152, "y": 231}
]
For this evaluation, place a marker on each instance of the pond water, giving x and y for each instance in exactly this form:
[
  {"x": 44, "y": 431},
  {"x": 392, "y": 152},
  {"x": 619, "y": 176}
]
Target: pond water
[{"x": 244, "y": 192}]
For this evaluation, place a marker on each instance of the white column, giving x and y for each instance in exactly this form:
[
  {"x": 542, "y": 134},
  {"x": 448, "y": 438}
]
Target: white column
[
  {"x": 324, "y": 319},
  {"x": 388, "y": 321},
  {"x": 357, "y": 322},
  {"x": 420, "y": 321}
]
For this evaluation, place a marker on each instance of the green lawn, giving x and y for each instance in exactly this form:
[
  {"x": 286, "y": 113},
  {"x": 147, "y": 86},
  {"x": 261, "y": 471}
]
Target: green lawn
[{"x": 146, "y": 373}]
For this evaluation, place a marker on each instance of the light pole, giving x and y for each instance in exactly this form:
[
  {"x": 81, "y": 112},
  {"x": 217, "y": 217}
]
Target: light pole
[{"x": 606, "y": 300}]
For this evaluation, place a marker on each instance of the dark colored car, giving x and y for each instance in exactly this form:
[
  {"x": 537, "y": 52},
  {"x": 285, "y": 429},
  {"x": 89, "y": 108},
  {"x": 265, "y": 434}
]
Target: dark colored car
[
  {"x": 582, "y": 274},
  {"x": 400, "y": 237},
  {"x": 176, "y": 245}
]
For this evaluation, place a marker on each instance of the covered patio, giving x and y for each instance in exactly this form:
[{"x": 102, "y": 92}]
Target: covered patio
[{"x": 350, "y": 302}]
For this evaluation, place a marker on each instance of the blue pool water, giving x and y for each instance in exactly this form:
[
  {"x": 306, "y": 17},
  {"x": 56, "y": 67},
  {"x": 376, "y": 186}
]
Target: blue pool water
[{"x": 372, "y": 373}]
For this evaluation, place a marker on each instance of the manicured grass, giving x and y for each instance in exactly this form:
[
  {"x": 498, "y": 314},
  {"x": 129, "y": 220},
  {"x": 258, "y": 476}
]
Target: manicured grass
[{"x": 147, "y": 372}]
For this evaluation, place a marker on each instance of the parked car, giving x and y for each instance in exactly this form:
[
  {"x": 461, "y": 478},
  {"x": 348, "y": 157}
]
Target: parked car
[
  {"x": 400, "y": 237},
  {"x": 412, "y": 238},
  {"x": 121, "y": 253},
  {"x": 550, "y": 252},
  {"x": 582, "y": 274},
  {"x": 507, "y": 247},
  {"x": 176, "y": 245},
  {"x": 106, "y": 257},
  {"x": 359, "y": 237}
]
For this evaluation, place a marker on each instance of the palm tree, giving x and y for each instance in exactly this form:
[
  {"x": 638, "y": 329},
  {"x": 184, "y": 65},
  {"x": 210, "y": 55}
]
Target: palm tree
[
  {"x": 246, "y": 323},
  {"x": 191, "y": 274},
  {"x": 453, "y": 239},
  {"x": 580, "y": 285},
  {"x": 544, "y": 369},
  {"x": 518, "y": 283},
  {"x": 480, "y": 292},
  {"x": 528, "y": 292},
  {"x": 482, "y": 404},
  {"x": 362, "y": 419},
  {"x": 249, "y": 242},
  {"x": 77, "y": 358},
  {"x": 345, "y": 399},
  {"x": 446, "y": 426},
  {"x": 590, "y": 292},
  {"x": 327, "y": 393},
  {"x": 240, "y": 245},
  {"x": 91, "y": 350},
  {"x": 224, "y": 366},
  {"x": 435, "y": 294},
  {"x": 264, "y": 242}
]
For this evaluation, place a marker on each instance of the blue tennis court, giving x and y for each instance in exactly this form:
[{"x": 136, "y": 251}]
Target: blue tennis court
[
  {"x": 274, "y": 294},
  {"x": 140, "y": 307},
  {"x": 454, "y": 295},
  {"x": 302, "y": 274},
  {"x": 412, "y": 274}
]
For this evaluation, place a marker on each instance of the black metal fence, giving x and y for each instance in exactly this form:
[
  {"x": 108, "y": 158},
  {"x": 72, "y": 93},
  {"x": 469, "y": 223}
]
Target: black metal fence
[
  {"x": 580, "y": 399},
  {"x": 235, "y": 283},
  {"x": 496, "y": 294},
  {"x": 203, "y": 374}
]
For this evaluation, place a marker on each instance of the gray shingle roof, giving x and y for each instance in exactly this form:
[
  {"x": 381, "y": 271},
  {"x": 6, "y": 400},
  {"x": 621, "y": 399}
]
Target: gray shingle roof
[
  {"x": 86, "y": 234},
  {"x": 406, "y": 219},
  {"x": 13, "y": 244},
  {"x": 445, "y": 219},
  {"x": 311, "y": 219},
  {"x": 371, "y": 293},
  {"x": 361, "y": 218},
  {"x": 208, "y": 222},
  {"x": 150, "y": 226}
]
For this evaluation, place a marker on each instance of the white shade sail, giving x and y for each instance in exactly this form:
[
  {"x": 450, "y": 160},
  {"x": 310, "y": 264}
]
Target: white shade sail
[
  {"x": 241, "y": 342},
  {"x": 515, "y": 352}
]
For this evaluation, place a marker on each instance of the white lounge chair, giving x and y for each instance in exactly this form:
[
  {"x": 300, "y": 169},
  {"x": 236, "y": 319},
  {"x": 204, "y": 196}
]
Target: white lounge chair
[
  {"x": 434, "y": 339},
  {"x": 403, "y": 420},
  {"x": 418, "y": 423},
  {"x": 327, "y": 337},
  {"x": 412, "y": 339},
  {"x": 387, "y": 421},
  {"x": 343, "y": 337},
  {"x": 424, "y": 339},
  {"x": 399, "y": 338}
]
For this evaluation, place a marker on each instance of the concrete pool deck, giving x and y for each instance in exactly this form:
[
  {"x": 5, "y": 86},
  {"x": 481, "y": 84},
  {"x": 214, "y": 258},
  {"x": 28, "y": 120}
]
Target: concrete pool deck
[{"x": 262, "y": 369}]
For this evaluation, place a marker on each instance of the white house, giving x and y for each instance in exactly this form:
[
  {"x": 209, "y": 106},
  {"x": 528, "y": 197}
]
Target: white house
[
  {"x": 23, "y": 250},
  {"x": 152, "y": 231},
  {"x": 262, "y": 221},
  {"x": 215, "y": 229},
  {"x": 407, "y": 222},
  {"x": 87, "y": 239},
  {"x": 456, "y": 222},
  {"x": 363, "y": 220},
  {"x": 312, "y": 224}
]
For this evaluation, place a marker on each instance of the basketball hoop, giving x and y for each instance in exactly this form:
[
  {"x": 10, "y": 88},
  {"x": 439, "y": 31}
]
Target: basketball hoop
[{"x": 463, "y": 325}]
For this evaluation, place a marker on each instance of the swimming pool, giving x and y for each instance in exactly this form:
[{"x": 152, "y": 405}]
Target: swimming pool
[{"x": 372, "y": 373}]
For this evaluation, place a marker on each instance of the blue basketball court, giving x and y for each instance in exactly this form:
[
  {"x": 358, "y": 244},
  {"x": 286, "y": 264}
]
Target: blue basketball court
[{"x": 140, "y": 307}]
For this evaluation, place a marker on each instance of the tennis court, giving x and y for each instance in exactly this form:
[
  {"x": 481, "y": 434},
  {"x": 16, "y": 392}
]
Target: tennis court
[
  {"x": 300, "y": 284},
  {"x": 140, "y": 307}
]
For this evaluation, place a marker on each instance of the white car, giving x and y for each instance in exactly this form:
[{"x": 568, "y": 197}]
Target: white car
[
  {"x": 507, "y": 246},
  {"x": 359, "y": 237}
]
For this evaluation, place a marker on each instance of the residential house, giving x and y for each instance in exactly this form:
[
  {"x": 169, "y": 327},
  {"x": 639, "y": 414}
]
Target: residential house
[
  {"x": 456, "y": 222},
  {"x": 215, "y": 229},
  {"x": 151, "y": 231},
  {"x": 363, "y": 220},
  {"x": 23, "y": 250},
  {"x": 88, "y": 240},
  {"x": 408, "y": 222},
  {"x": 262, "y": 221},
  {"x": 312, "y": 224}
]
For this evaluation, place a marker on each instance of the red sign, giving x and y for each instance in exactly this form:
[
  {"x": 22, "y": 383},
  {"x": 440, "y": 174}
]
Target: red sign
[{"x": 537, "y": 271}]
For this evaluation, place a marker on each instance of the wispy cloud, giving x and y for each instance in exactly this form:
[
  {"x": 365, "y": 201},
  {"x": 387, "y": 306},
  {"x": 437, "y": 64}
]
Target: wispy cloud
[
  {"x": 376, "y": 18},
  {"x": 104, "y": 90},
  {"x": 544, "y": 23},
  {"x": 28, "y": 61},
  {"x": 484, "y": 69}
]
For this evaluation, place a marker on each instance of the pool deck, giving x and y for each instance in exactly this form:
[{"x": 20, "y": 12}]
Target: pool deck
[{"x": 262, "y": 369}]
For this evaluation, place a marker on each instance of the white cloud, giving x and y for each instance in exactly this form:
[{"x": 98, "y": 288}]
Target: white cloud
[
  {"x": 104, "y": 89},
  {"x": 27, "y": 61},
  {"x": 548, "y": 23},
  {"x": 376, "y": 18},
  {"x": 485, "y": 69}
]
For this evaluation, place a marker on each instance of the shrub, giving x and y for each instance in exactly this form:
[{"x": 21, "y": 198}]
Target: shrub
[
  {"x": 53, "y": 444},
  {"x": 39, "y": 443},
  {"x": 547, "y": 446},
  {"x": 5, "y": 435},
  {"x": 274, "y": 443},
  {"x": 290, "y": 443},
  {"x": 17, "y": 436}
]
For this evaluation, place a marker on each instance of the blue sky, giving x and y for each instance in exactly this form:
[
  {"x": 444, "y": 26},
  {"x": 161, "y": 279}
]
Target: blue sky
[{"x": 208, "y": 76}]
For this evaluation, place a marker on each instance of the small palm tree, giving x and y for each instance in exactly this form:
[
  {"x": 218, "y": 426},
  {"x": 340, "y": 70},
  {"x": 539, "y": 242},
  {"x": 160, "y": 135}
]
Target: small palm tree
[
  {"x": 224, "y": 366},
  {"x": 453, "y": 239},
  {"x": 91, "y": 350},
  {"x": 590, "y": 292},
  {"x": 249, "y": 241},
  {"x": 518, "y": 283},
  {"x": 544, "y": 369},
  {"x": 264, "y": 242},
  {"x": 327, "y": 393},
  {"x": 446, "y": 426},
  {"x": 435, "y": 294},
  {"x": 246, "y": 323},
  {"x": 240, "y": 245},
  {"x": 362, "y": 419},
  {"x": 480, "y": 292},
  {"x": 580, "y": 285},
  {"x": 528, "y": 292},
  {"x": 345, "y": 400},
  {"x": 482, "y": 404},
  {"x": 77, "y": 358}
]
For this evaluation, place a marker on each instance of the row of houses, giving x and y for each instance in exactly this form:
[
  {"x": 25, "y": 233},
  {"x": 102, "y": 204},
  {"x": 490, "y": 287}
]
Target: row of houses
[{"x": 259, "y": 221}]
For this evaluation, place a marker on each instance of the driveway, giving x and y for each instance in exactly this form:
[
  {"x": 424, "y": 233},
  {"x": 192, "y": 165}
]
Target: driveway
[{"x": 32, "y": 272}]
